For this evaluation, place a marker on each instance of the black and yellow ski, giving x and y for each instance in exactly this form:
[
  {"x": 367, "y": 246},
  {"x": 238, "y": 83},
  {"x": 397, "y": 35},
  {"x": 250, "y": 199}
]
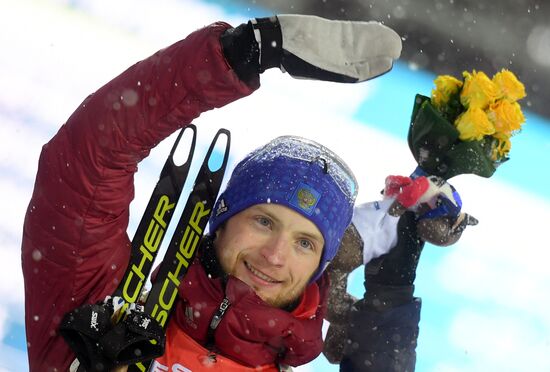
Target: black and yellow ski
[
  {"x": 153, "y": 225},
  {"x": 185, "y": 241}
]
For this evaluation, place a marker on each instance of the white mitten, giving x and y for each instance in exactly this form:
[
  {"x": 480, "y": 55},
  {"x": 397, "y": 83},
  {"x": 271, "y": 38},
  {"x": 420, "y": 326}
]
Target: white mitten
[
  {"x": 345, "y": 51},
  {"x": 311, "y": 47}
]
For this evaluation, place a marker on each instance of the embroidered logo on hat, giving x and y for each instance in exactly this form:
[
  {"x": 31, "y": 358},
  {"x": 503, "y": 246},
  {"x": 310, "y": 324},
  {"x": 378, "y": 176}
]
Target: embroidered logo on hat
[
  {"x": 305, "y": 198},
  {"x": 222, "y": 208}
]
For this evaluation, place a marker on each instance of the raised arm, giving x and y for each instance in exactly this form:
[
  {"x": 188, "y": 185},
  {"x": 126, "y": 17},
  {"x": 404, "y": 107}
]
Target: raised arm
[
  {"x": 75, "y": 247},
  {"x": 388, "y": 237}
]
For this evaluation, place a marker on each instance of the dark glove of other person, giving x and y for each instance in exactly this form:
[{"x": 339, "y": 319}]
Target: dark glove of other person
[
  {"x": 389, "y": 278},
  {"x": 312, "y": 47}
]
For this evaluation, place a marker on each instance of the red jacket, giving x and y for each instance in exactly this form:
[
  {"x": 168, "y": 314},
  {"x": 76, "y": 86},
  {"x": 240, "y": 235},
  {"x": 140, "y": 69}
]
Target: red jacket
[
  {"x": 251, "y": 332},
  {"x": 75, "y": 247}
]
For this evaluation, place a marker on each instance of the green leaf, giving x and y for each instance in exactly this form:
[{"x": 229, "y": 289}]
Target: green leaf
[{"x": 435, "y": 145}]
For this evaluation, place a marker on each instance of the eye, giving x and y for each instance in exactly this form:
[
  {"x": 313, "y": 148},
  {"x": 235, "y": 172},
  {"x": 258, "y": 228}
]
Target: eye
[
  {"x": 305, "y": 244},
  {"x": 263, "y": 221}
]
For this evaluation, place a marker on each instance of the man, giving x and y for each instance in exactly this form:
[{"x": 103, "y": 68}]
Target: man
[{"x": 267, "y": 251}]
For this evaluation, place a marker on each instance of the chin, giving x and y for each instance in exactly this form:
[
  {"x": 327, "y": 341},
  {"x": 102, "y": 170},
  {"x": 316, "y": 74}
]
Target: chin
[{"x": 282, "y": 302}]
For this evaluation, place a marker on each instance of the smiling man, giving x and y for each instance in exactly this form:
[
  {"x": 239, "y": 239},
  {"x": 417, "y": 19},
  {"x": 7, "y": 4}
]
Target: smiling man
[
  {"x": 284, "y": 212},
  {"x": 256, "y": 296}
]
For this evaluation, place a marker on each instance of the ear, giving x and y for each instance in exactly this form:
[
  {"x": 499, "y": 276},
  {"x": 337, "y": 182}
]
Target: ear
[{"x": 219, "y": 230}]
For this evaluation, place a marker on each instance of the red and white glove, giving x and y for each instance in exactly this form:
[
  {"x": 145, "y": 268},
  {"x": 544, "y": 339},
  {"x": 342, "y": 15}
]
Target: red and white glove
[{"x": 411, "y": 193}]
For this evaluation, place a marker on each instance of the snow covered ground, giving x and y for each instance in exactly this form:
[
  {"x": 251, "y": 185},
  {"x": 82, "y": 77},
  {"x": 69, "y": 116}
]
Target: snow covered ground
[{"x": 485, "y": 300}]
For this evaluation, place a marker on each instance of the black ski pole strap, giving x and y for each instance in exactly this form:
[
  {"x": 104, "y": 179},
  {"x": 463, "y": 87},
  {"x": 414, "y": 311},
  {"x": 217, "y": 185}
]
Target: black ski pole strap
[
  {"x": 138, "y": 337},
  {"x": 82, "y": 328}
]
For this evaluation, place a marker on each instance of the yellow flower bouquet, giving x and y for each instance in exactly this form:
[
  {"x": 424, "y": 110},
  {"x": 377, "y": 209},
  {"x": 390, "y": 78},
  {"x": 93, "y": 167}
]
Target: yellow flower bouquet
[{"x": 466, "y": 125}]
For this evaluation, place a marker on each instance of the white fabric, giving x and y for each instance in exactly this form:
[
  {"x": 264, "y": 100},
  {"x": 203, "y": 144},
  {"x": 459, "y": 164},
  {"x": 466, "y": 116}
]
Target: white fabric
[
  {"x": 438, "y": 187},
  {"x": 360, "y": 50},
  {"x": 74, "y": 365},
  {"x": 376, "y": 227},
  {"x": 258, "y": 37}
]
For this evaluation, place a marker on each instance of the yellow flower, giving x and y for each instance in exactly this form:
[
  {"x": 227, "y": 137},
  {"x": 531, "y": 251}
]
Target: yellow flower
[
  {"x": 506, "y": 116},
  {"x": 478, "y": 91},
  {"x": 509, "y": 86},
  {"x": 473, "y": 124},
  {"x": 445, "y": 87},
  {"x": 501, "y": 147}
]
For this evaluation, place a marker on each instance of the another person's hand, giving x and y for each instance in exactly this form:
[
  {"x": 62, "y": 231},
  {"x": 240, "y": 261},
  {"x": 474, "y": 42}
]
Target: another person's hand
[
  {"x": 444, "y": 230},
  {"x": 437, "y": 206},
  {"x": 412, "y": 193}
]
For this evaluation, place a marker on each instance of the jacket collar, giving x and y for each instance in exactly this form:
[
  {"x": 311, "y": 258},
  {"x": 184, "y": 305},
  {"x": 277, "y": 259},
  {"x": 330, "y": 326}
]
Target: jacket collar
[{"x": 251, "y": 331}]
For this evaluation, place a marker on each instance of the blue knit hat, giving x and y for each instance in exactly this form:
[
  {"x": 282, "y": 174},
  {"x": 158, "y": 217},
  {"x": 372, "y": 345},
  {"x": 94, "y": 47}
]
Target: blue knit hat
[{"x": 300, "y": 174}]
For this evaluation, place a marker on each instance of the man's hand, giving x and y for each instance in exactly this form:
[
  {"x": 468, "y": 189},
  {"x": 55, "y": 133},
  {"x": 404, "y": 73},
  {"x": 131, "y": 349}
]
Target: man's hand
[
  {"x": 342, "y": 51},
  {"x": 312, "y": 47}
]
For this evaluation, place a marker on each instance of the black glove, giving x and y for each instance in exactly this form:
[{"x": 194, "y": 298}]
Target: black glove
[
  {"x": 312, "y": 47},
  {"x": 389, "y": 278},
  {"x": 242, "y": 51}
]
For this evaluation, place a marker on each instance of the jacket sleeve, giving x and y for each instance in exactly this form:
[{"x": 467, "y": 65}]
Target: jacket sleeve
[
  {"x": 75, "y": 248},
  {"x": 382, "y": 327},
  {"x": 382, "y": 340},
  {"x": 377, "y": 228}
]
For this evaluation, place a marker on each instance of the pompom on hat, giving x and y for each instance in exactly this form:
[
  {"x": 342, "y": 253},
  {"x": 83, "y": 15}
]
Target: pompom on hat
[{"x": 300, "y": 174}]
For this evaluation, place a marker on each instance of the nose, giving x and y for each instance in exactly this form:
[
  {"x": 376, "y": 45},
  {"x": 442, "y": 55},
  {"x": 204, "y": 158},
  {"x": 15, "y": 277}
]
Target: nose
[{"x": 275, "y": 250}]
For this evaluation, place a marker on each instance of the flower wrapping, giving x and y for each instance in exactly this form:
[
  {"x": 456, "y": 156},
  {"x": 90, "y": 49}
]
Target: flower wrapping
[{"x": 466, "y": 126}]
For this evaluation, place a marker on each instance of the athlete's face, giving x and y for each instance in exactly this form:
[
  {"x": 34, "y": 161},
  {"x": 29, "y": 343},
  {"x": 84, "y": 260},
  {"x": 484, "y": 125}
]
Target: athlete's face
[{"x": 273, "y": 249}]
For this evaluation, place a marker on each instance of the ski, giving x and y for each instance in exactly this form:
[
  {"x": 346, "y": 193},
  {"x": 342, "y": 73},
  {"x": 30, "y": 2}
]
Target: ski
[
  {"x": 185, "y": 241},
  {"x": 152, "y": 227}
]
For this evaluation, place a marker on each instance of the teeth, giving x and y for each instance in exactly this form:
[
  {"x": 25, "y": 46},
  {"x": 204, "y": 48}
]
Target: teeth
[{"x": 260, "y": 274}]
